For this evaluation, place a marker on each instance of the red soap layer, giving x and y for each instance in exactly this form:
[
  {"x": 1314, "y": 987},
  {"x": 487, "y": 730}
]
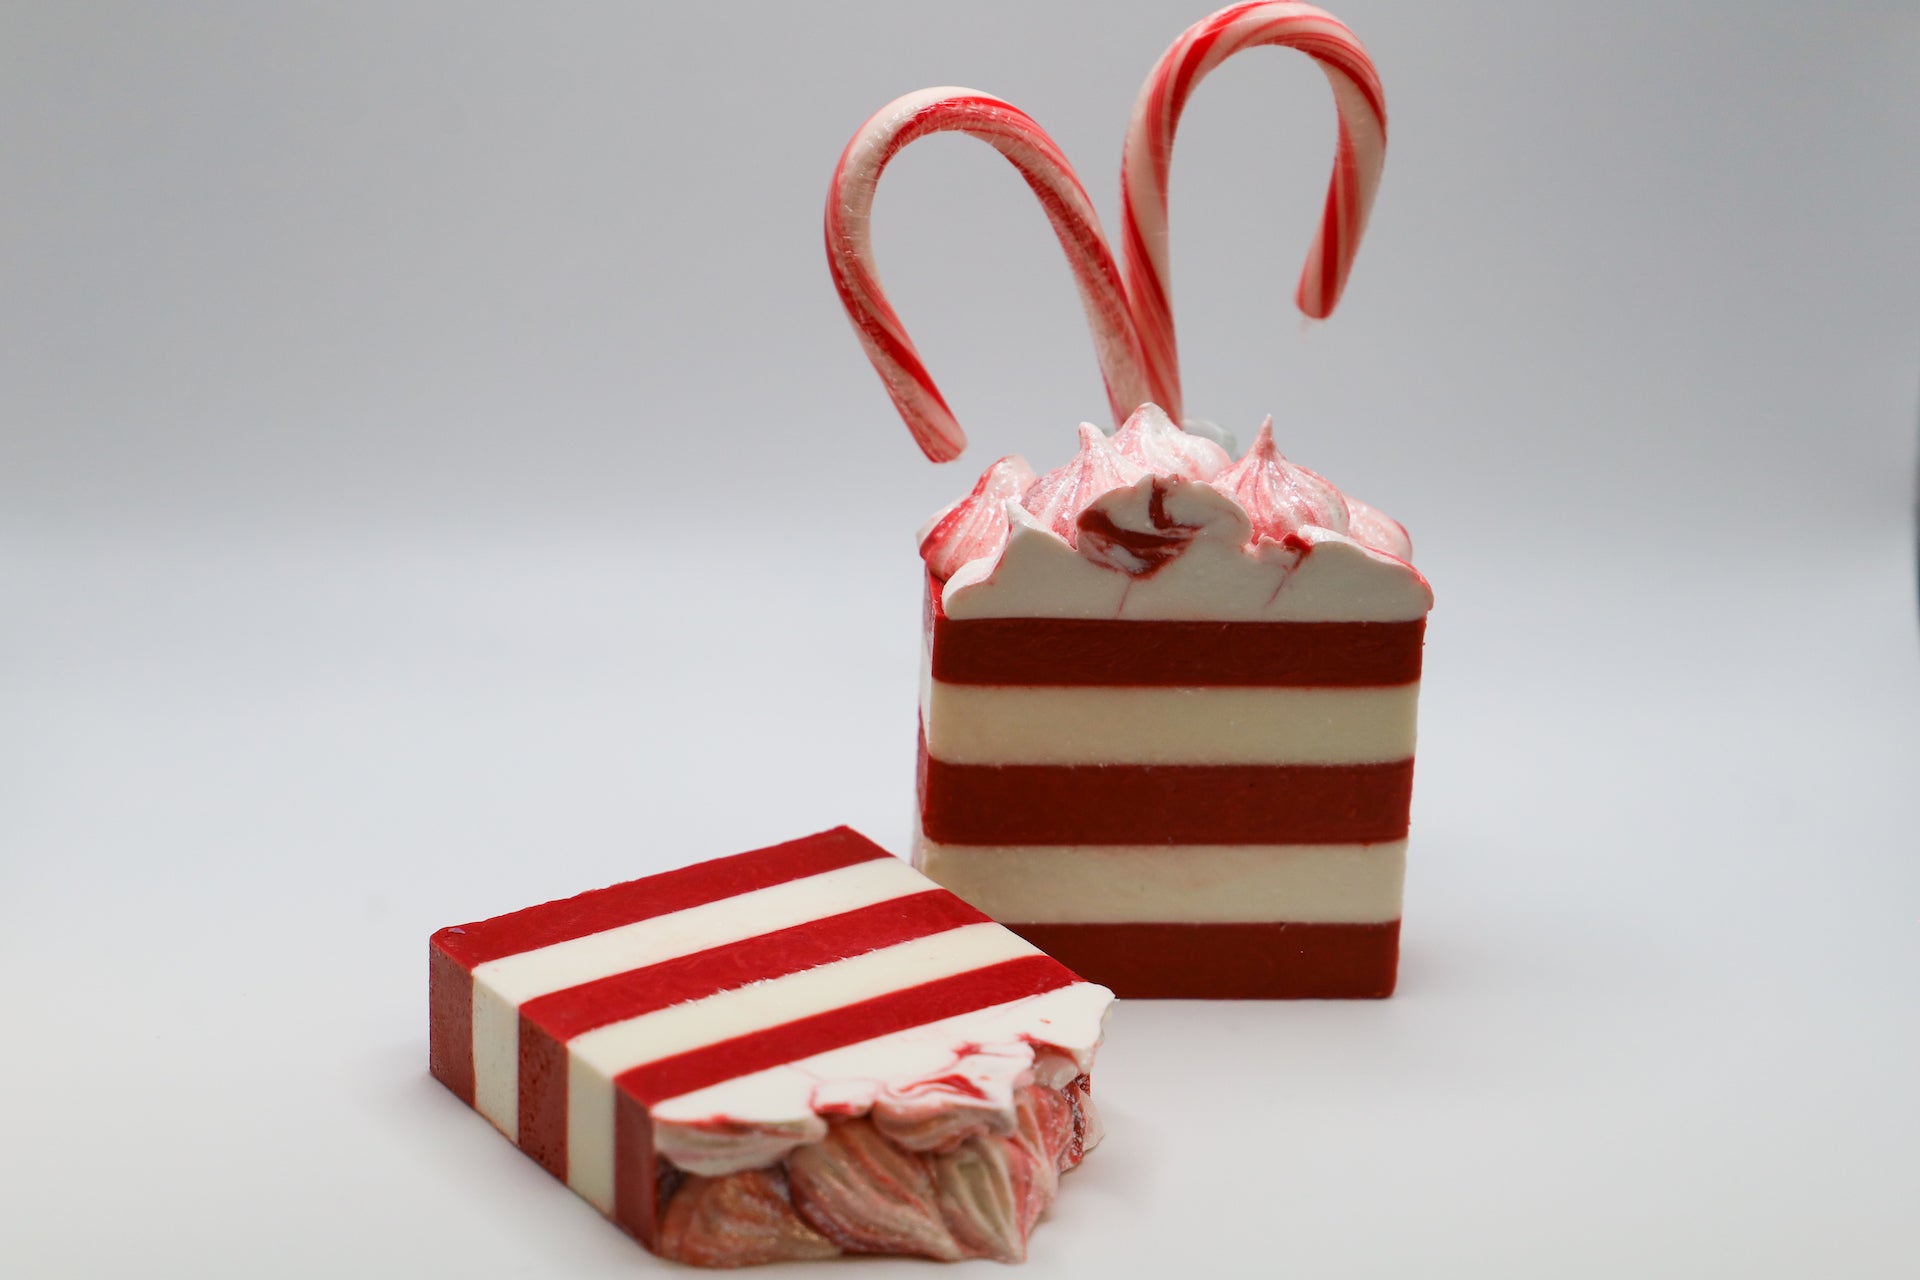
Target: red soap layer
[
  {"x": 601, "y": 909},
  {"x": 450, "y": 1023},
  {"x": 849, "y": 1024},
  {"x": 1113, "y": 652},
  {"x": 1227, "y": 961},
  {"x": 1163, "y": 804}
]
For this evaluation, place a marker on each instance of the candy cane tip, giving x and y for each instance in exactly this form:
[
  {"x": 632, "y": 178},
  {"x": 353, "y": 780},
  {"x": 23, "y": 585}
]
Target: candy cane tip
[{"x": 942, "y": 450}]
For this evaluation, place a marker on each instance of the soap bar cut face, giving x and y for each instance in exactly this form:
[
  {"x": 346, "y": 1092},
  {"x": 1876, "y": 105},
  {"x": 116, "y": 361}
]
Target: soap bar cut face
[
  {"x": 1211, "y": 811},
  {"x": 803, "y": 1051}
]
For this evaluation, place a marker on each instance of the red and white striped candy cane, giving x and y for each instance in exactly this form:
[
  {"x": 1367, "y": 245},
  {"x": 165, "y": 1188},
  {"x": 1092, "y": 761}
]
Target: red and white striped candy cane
[
  {"x": 850, "y": 251},
  {"x": 1149, "y": 152}
]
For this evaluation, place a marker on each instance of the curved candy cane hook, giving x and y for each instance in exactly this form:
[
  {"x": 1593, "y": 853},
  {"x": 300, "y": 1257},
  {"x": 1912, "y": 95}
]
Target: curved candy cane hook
[
  {"x": 1144, "y": 164},
  {"x": 850, "y": 251}
]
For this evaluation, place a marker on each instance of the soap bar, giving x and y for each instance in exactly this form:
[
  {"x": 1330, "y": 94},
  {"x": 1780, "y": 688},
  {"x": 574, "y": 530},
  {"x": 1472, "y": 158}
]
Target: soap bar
[
  {"x": 1167, "y": 709},
  {"x": 1167, "y": 716},
  {"x": 803, "y": 1051}
]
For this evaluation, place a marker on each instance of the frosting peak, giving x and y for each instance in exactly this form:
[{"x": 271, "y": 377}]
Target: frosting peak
[
  {"x": 1121, "y": 532},
  {"x": 1057, "y": 498},
  {"x": 1151, "y": 440},
  {"x": 976, "y": 525},
  {"x": 1378, "y": 530},
  {"x": 1280, "y": 498}
]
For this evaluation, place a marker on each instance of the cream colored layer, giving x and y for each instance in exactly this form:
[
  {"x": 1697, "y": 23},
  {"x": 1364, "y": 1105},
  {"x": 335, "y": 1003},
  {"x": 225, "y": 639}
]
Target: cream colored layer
[
  {"x": 1016, "y": 724},
  {"x": 1202, "y": 884}
]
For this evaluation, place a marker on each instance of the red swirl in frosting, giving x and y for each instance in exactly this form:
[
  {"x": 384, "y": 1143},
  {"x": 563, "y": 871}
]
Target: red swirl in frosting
[
  {"x": 1058, "y": 497},
  {"x": 1142, "y": 499},
  {"x": 1140, "y": 528}
]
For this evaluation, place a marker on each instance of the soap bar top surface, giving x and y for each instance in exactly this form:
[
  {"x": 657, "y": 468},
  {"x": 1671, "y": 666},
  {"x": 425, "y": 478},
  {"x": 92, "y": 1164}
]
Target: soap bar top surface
[
  {"x": 1158, "y": 523},
  {"x": 736, "y": 1007}
]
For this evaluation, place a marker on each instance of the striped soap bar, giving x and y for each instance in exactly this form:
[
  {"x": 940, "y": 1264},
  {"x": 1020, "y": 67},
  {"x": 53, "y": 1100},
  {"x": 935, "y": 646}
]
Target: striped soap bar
[
  {"x": 802, "y": 1051},
  {"x": 1177, "y": 808},
  {"x": 1167, "y": 722}
]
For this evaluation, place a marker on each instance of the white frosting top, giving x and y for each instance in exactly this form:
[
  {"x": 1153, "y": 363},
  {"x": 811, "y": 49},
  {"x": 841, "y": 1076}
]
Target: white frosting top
[
  {"x": 928, "y": 1088},
  {"x": 1159, "y": 523}
]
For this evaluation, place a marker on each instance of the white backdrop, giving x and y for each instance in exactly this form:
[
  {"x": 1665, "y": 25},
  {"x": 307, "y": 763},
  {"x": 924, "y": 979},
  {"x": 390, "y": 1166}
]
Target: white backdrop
[{"x": 435, "y": 476}]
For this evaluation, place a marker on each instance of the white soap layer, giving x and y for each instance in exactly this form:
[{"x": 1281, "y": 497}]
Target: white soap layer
[
  {"x": 886, "y": 1074},
  {"x": 1072, "y": 725},
  {"x": 1210, "y": 884}
]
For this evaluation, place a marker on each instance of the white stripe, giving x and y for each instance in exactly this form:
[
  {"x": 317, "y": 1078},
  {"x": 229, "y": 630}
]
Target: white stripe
[
  {"x": 992, "y": 1049},
  {"x": 1211, "y": 884},
  {"x": 1056, "y": 1018},
  {"x": 1061, "y": 725},
  {"x": 596, "y": 1057},
  {"x": 501, "y": 986},
  {"x": 496, "y": 1059}
]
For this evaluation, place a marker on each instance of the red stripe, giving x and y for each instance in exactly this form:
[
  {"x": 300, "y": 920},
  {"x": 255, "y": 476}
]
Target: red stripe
[
  {"x": 1190, "y": 72},
  {"x": 1164, "y": 804},
  {"x": 543, "y": 1099},
  {"x": 1114, "y": 652},
  {"x": 1228, "y": 961},
  {"x": 655, "y": 1082},
  {"x": 450, "y": 1020},
  {"x": 603, "y": 909},
  {"x": 1345, "y": 54},
  {"x": 1185, "y": 654}
]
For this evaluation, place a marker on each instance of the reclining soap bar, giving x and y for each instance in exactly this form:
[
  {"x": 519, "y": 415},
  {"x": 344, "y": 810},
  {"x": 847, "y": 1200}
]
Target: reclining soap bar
[{"x": 799, "y": 1052}]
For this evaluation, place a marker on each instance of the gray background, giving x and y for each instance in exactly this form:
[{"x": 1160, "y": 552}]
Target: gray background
[{"x": 435, "y": 476}]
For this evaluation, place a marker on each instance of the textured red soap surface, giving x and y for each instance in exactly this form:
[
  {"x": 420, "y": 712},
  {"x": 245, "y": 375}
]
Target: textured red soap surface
[
  {"x": 796, "y": 1052},
  {"x": 1125, "y": 653},
  {"x": 1257, "y": 961},
  {"x": 1163, "y": 804}
]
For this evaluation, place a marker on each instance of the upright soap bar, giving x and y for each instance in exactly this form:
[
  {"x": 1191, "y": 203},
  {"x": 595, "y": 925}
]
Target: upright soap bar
[
  {"x": 1167, "y": 716},
  {"x": 798, "y": 1052}
]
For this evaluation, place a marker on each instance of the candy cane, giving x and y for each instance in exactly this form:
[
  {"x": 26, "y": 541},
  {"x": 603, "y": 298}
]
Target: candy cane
[
  {"x": 1357, "y": 160},
  {"x": 850, "y": 251}
]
